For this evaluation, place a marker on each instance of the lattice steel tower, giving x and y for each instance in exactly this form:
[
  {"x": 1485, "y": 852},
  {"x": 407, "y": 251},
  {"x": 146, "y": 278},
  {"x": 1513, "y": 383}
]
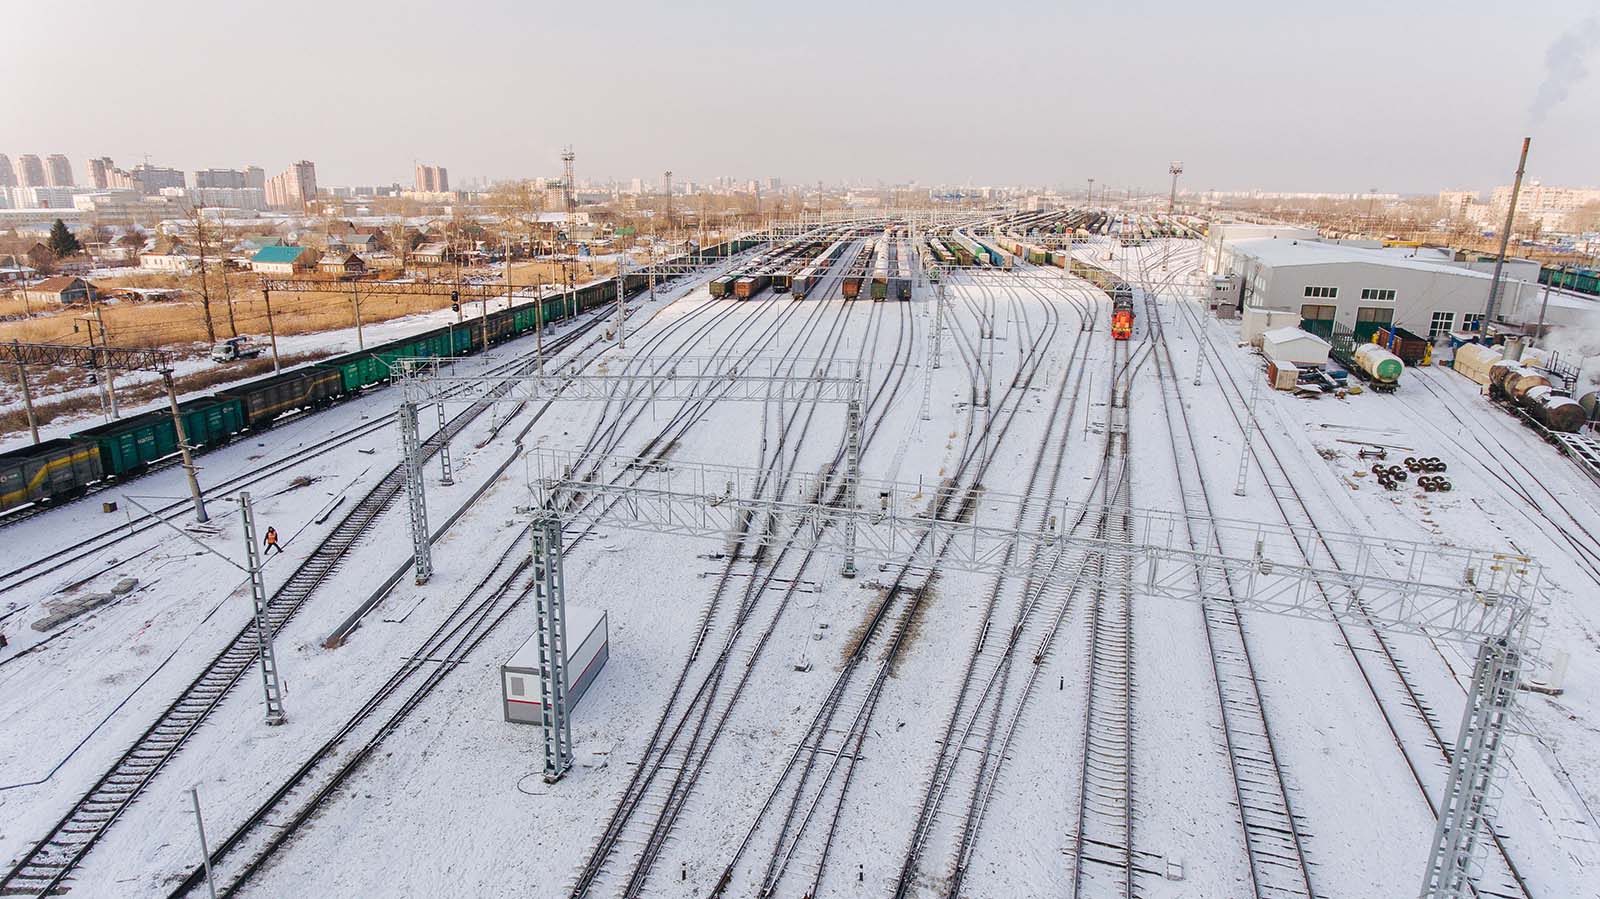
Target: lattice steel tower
[{"x": 1174, "y": 170}]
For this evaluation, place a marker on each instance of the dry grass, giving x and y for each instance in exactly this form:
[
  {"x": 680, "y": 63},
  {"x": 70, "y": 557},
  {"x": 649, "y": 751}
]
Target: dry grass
[
  {"x": 16, "y": 420},
  {"x": 180, "y": 324},
  {"x": 528, "y": 273}
]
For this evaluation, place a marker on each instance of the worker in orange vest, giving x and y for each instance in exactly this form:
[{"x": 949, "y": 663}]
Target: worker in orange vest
[{"x": 271, "y": 542}]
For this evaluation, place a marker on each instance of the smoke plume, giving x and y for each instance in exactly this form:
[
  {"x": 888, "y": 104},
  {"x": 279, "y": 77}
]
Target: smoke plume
[{"x": 1566, "y": 63}]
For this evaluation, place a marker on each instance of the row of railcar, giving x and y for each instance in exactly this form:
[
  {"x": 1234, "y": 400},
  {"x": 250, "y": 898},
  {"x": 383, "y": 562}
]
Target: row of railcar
[
  {"x": 1579, "y": 280},
  {"x": 124, "y": 448},
  {"x": 900, "y": 269},
  {"x": 880, "y": 269},
  {"x": 858, "y": 271},
  {"x": 810, "y": 277}
]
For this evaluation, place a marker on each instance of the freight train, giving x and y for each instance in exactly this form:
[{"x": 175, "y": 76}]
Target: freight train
[
  {"x": 1530, "y": 391},
  {"x": 117, "y": 450}
]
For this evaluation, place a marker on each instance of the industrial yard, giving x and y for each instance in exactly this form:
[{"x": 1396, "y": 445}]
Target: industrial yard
[{"x": 925, "y": 553}]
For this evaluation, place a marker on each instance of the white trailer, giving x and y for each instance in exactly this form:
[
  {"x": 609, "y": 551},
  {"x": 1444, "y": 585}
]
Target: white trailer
[{"x": 588, "y": 648}]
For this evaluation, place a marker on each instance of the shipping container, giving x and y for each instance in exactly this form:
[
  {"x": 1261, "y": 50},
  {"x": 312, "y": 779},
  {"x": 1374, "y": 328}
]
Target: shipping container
[{"x": 588, "y": 649}]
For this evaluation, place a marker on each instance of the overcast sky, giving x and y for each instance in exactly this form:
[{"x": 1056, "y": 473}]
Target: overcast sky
[{"x": 1282, "y": 95}]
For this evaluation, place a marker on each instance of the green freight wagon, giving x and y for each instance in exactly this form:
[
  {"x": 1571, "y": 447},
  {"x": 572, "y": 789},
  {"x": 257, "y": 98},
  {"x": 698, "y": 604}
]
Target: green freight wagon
[
  {"x": 359, "y": 369},
  {"x": 130, "y": 444}
]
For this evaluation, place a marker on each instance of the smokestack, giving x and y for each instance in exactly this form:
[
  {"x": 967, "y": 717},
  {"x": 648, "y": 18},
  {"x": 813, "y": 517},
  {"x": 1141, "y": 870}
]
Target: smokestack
[{"x": 1505, "y": 238}]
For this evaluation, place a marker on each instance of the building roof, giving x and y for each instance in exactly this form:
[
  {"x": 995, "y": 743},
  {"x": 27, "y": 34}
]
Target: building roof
[
  {"x": 431, "y": 249},
  {"x": 58, "y": 283},
  {"x": 1286, "y": 334},
  {"x": 278, "y": 254},
  {"x": 1281, "y": 252}
]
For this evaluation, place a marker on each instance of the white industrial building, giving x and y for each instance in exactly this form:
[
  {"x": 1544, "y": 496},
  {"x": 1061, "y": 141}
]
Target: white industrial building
[{"x": 1357, "y": 289}]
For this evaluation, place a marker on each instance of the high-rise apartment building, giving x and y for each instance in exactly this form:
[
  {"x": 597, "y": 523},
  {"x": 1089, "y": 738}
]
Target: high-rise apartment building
[
  {"x": 255, "y": 177},
  {"x": 58, "y": 171},
  {"x": 100, "y": 169},
  {"x": 30, "y": 171},
  {"x": 432, "y": 179},
  {"x": 8, "y": 175},
  {"x": 209, "y": 178},
  {"x": 153, "y": 178},
  {"x": 294, "y": 188}
]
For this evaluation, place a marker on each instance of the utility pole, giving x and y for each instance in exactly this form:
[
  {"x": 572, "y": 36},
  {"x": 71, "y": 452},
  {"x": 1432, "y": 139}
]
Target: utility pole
[
  {"x": 1505, "y": 236},
  {"x": 355, "y": 296},
  {"x": 205, "y": 851},
  {"x": 111, "y": 376},
  {"x": 272, "y": 332},
  {"x": 27, "y": 395},
  {"x": 271, "y": 687},
  {"x": 183, "y": 447}
]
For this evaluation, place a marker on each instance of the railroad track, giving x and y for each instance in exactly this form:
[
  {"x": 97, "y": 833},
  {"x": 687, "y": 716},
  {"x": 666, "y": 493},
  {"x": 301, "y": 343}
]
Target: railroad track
[
  {"x": 251, "y": 847},
  {"x": 974, "y": 727},
  {"x": 266, "y": 832},
  {"x": 1279, "y": 867},
  {"x": 684, "y": 736},
  {"x": 817, "y": 776},
  {"x": 1104, "y": 858},
  {"x": 47, "y": 866},
  {"x": 1367, "y": 647}
]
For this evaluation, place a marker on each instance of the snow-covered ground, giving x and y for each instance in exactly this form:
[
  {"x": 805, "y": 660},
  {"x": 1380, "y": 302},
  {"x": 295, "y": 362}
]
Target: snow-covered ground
[{"x": 452, "y": 802}]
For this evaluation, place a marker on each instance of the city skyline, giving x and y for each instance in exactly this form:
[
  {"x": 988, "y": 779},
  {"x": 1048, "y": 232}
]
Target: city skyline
[{"x": 980, "y": 102}]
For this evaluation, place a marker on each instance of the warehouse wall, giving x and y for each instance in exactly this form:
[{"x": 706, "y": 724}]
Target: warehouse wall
[{"x": 1418, "y": 294}]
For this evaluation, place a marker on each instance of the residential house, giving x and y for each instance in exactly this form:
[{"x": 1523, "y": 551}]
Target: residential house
[
  {"x": 66, "y": 290},
  {"x": 282, "y": 260},
  {"x": 341, "y": 264},
  {"x": 174, "y": 263},
  {"x": 436, "y": 253},
  {"x": 253, "y": 242},
  {"x": 10, "y": 274}
]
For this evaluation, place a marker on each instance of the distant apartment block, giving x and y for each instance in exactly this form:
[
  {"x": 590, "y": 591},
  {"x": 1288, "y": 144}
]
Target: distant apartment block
[
  {"x": 153, "y": 178},
  {"x": 100, "y": 169},
  {"x": 1547, "y": 206},
  {"x": 30, "y": 171},
  {"x": 8, "y": 175},
  {"x": 432, "y": 179},
  {"x": 219, "y": 178},
  {"x": 294, "y": 188},
  {"x": 58, "y": 171}
]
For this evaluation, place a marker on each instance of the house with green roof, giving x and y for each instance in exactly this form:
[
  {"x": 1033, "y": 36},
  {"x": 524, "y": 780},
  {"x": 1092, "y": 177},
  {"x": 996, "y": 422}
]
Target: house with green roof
[{"x": 283, "y": 260}]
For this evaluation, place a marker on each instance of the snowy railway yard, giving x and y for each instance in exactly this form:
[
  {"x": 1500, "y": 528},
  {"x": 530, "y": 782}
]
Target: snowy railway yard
[{"x": 1038, "y": 722}]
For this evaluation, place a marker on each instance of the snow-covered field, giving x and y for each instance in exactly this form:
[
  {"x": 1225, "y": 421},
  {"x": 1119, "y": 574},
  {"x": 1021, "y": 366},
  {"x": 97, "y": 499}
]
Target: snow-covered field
[{"x": 452, "y": 803}]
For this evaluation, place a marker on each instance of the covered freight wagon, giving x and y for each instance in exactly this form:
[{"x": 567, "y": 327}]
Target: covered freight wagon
[{"x": 588, "y": 648}]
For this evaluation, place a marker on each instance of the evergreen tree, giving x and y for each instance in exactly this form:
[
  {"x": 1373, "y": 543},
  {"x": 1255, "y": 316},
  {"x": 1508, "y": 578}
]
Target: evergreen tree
[{"x": 61, "y": 242}]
